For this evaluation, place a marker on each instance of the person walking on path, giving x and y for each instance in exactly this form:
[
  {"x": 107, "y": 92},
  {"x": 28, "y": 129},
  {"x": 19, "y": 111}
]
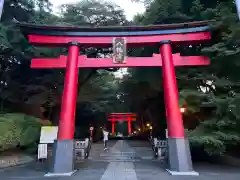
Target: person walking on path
[{"x": 105, "y": 138}]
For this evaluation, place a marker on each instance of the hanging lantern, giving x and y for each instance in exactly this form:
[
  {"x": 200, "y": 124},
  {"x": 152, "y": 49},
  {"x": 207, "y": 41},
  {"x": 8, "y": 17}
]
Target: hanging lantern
[{"x": 182, "y": 110}]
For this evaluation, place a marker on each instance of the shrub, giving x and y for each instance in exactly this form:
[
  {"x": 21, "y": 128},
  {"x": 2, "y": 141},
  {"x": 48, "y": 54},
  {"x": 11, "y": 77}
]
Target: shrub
[{"x": 18, "y": 130}]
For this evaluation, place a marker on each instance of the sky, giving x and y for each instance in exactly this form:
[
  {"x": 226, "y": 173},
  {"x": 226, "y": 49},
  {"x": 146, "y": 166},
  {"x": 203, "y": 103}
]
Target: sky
[{"x": 129, "y": 7}]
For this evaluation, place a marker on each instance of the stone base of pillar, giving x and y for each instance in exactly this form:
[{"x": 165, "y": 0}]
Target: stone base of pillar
[
  {"x": 63, "y": 158},
  {"x": 60, "y": 174},
  {"x": 179, "y": 157}
]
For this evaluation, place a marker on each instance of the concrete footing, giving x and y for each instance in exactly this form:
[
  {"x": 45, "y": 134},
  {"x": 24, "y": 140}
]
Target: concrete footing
[
  {"x": 179, "y": 157},
  {"x": 63, "y": 158}
]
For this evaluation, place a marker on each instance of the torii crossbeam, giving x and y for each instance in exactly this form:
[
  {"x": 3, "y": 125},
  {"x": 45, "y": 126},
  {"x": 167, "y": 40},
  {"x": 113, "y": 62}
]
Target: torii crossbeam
[{"x": 84, "y": 62}]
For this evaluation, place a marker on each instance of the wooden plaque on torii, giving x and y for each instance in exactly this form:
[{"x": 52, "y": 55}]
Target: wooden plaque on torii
[{"x": 119, "y": 50}]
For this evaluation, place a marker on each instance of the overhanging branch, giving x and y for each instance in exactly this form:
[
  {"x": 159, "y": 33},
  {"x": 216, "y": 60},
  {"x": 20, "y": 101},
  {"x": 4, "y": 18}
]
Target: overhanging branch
[{"x": 80, "y": 84}]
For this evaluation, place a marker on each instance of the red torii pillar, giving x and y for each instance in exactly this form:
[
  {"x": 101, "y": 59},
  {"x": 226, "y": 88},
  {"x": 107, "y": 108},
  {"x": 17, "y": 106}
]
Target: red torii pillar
[
  {"x": 129, "y": 125},
  {"x": 64, "y": 145},
  {"x": 179, "y": 151},
  {"x": 113, "y": 125}
]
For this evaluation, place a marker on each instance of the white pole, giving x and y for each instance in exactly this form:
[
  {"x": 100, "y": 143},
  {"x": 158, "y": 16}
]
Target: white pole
[
  {"x": 166, "y": 133},
  {"x": 1, "y": 7},
  {"x": 238, "y": 8}
]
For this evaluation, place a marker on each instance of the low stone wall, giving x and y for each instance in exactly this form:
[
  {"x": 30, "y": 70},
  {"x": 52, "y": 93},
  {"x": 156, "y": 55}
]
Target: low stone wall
[{"x": 14, "y": 160}]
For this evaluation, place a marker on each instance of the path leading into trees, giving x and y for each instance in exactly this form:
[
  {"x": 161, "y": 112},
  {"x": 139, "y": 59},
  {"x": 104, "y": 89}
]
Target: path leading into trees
[{"x": 126, "y": 160}]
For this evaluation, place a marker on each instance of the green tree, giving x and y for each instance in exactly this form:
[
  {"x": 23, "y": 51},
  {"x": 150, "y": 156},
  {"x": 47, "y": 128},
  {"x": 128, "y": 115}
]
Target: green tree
[{"x": 93, "y": 12}]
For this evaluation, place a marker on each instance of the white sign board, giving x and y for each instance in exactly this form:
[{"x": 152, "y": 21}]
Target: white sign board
[
  {"x": 48, "y": 134},
  {"x": 42, "y": 151}
]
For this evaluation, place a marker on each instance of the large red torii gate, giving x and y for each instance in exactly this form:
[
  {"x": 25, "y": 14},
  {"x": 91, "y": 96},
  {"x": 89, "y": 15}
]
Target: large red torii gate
[
  {"x": 129, "y": 117},
  {"x": 163, "y": 36}
]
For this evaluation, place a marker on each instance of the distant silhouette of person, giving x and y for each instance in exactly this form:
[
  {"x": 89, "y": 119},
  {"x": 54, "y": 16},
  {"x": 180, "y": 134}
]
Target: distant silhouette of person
[{"x": 105, "y": 138}]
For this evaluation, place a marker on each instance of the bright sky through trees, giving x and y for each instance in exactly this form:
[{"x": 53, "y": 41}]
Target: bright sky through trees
[{"x": 129, "y": 7}]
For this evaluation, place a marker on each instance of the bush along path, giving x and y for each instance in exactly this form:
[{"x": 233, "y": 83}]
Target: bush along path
[{"x": 19, "y": 134}]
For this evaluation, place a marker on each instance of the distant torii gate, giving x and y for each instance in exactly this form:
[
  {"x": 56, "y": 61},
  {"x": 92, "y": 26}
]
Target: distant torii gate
[
  {"x": 129, "y": 117},
  {"x": 165, "y": 37}
]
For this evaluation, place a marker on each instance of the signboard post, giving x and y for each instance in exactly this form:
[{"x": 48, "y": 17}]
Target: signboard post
[
  {"x": 91, "y": 131},
  {"x": 48, "y": 136}
]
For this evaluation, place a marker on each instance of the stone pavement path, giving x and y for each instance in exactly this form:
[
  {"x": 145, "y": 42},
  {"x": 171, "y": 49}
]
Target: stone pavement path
[
  {"x": 120, "y": 170},
  {"x": 118, "y": 152},
  {"x": 126, "y": 160},
  {"x": 142, "y": 149}
]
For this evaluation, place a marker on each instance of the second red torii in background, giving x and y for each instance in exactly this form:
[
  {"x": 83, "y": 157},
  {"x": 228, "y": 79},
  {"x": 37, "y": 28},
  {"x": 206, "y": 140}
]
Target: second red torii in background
[{"x": 129, "y": 117}]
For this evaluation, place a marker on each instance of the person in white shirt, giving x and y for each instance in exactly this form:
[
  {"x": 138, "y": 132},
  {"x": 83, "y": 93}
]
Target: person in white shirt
[{"x": 105, "y": 138}]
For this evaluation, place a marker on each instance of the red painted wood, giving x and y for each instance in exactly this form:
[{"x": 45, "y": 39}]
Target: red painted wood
[
  {"x": 113, "y": 127},
  {"x": 129, "y": 126},
  {"x": 173, "y": 114},
  {"x": 84, "y": 62},
  {"x": 124, "y": 117},
  {"x": 120, "y": 115},
  {"x": 67, "y": 116},
  {"x": 131, "y": 40},
  {"x": 120, "y": 119}
]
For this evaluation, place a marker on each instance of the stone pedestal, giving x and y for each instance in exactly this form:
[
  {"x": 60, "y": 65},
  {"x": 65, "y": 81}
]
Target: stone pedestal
[
  {"x": 63, "y": 158},
  {"x": 179, "y": 156}
]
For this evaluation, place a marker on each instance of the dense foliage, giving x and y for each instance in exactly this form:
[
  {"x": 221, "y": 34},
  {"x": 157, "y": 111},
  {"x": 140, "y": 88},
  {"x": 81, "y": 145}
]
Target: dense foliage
[{"x": 18, "y": 130}]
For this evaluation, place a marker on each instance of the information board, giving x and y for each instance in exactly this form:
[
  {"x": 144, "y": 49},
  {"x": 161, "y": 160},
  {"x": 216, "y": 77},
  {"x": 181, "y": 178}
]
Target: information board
[
  {"x": 42, "y": 151},
  {"x": 48, "y": 134}
]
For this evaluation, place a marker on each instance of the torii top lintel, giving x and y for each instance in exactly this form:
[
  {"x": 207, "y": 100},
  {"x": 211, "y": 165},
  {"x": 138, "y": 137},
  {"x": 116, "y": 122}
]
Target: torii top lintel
[
  {"x": 122, "y": 117},
  {"x": 122, "y": 114},
  {"x": 188, "y": 33}
]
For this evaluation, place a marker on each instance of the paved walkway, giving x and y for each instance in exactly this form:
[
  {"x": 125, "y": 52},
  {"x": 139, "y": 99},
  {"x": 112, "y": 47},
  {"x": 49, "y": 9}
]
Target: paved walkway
[{"x": 126, "y": 160}]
